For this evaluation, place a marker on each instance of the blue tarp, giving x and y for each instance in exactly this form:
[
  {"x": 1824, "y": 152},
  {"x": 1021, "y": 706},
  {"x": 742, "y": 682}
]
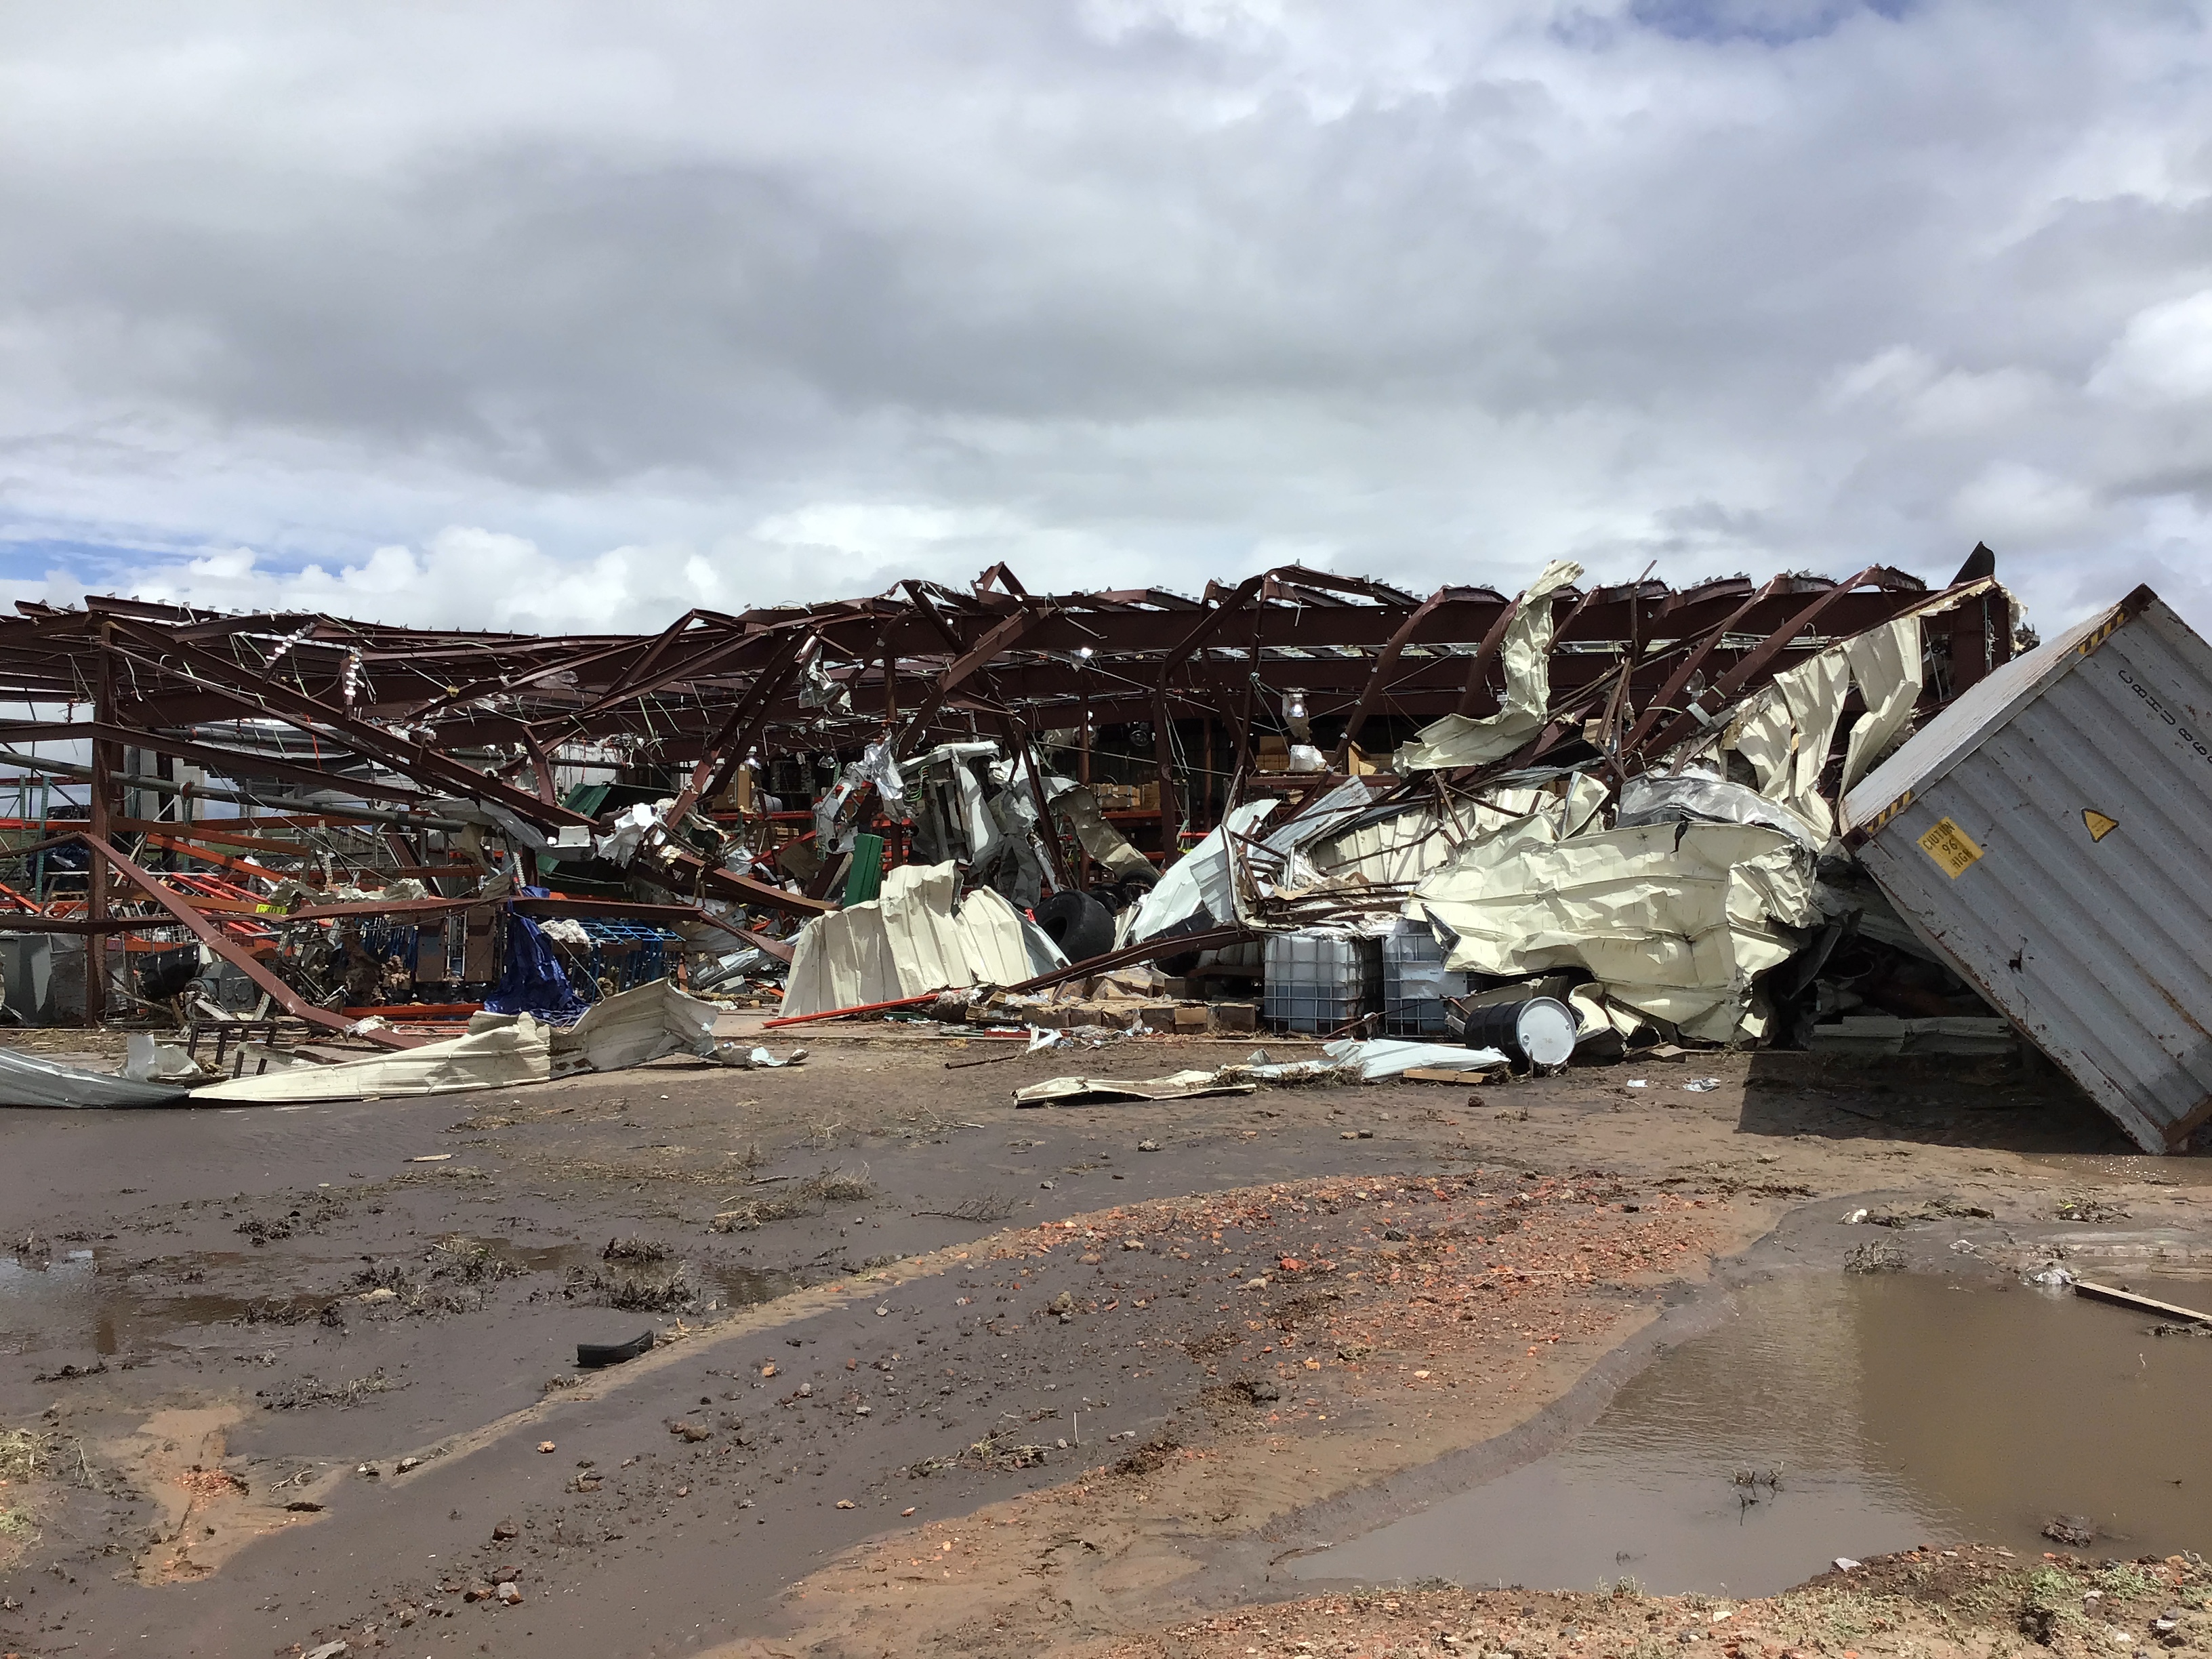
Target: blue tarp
[{"x": 530, "y": 978}]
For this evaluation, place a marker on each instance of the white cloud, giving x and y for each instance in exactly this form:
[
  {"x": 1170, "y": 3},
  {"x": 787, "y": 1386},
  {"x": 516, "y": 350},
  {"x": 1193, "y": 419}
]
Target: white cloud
[
  {"x": 2163, "y": 356},
  {"x": 1930, "y": 401},
  {"x": 726, "y": 305},
  {"x": 461, "y": 577},
  {"x": 2010, "y": 502}
]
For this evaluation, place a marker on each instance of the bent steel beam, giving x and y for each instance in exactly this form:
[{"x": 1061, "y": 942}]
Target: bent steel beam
[
  {"x": 229, "y": 950},
  {"x": 1698, "y": 713}
]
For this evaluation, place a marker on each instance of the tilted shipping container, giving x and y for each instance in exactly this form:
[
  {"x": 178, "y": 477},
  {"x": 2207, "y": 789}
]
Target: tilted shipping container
[{"x": 2050, "y": 835}]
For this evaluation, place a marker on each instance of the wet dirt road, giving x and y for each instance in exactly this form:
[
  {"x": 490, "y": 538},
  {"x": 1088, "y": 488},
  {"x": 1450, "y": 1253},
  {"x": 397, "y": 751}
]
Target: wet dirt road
[{"x": 1301, "y": 1298}]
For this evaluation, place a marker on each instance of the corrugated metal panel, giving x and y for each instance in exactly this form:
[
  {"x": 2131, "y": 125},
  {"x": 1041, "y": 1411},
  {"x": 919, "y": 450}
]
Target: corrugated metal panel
[
  {"x": 2096, "y": 941},
  {"x": 1403, "y": 848}
]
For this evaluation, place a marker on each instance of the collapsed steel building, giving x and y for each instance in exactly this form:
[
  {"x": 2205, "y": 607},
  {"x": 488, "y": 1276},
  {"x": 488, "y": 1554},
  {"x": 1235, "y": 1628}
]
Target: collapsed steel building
[{"x": 373, "y": 829}]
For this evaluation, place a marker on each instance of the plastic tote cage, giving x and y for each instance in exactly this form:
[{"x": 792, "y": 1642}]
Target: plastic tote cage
[
  {"x": 1321, "y": 981},
  {"x": 1415, "y": 982}
]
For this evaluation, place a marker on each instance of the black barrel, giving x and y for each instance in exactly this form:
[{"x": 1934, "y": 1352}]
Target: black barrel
[{"x": 1542, "y": 1029}]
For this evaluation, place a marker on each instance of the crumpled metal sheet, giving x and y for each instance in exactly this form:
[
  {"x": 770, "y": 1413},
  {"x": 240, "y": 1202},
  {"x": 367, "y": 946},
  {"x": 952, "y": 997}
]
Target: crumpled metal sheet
[
  {"x": 501, "y": 1051},
  {"x": 1698, "y": 797},
  {"x": 1787, "y": 729},
  {"x": 1179, "y": 1085},
  {"x": 1886, "y": 662},
  {"x": 1075, "y": 804},
  {"x": 27, "y": 1080},
  {"x": 507, "y": 1054},
  {"x": 1350, "y": 1061},
  {"x": 1526, "y": 651},
  {"x": 632, "y": 1027},
  {"x": 1375, "y": 1058},
  {"x": 150, "y": 1060},
  {"x": 1674, "y": 920},
  {"x": 1202, "y": 879},
  {"x": 911, "y": 939}
]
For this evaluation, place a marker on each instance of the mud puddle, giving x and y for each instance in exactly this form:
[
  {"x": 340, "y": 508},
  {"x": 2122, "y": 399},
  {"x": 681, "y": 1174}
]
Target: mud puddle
[
  {"x": 1827, "y": 1417},
  {"x": 81, "y": 1300},
  {"x": 74, "y": 1301}
]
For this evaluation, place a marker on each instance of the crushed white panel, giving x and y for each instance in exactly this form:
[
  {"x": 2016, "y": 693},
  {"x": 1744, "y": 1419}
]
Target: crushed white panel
[
  {"x": 1674, "y": 920},
  {"x": 503, "y": 1057},
  {"x": 1526, "y": 651},
  {"x": 909, "y": 940}
]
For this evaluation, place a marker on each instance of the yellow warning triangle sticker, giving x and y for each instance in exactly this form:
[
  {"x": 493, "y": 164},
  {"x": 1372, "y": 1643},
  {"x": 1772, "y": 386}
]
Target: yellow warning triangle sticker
[{"x": 2100, "y": 825}]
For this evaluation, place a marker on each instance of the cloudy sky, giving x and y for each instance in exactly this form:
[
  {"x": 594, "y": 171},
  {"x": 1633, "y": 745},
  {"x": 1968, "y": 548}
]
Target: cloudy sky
[{"x": 570, "y": 316}]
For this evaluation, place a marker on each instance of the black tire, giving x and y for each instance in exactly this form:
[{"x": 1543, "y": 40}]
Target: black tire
[
  {"x": 1078, "y": 924},
  {"x": 592, "y": 1356}
]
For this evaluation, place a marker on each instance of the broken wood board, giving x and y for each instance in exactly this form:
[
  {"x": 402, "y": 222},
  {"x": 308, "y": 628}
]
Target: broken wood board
[{"x": 2118, "y": 1297}]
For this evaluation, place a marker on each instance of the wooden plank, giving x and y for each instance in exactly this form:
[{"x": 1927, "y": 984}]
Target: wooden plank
[
  {"x": 2118, "y": 1297},
  {"x": 1439, "y": 1074}
]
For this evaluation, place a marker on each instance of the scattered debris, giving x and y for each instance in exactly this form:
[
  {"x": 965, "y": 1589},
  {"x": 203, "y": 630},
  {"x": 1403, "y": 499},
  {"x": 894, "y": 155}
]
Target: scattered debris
[
  {"x": 2076, "y": 1531},
  {"x": 1874, "y": 1258}
]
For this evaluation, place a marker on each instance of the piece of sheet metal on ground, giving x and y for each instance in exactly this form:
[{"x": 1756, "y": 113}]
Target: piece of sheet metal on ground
[
  {"x": 27, "y": 1080},
  {"x": 2046, "y": 835},
  {"x": 503, "y": 1056},
  {"x": 643, "y": 1024}
]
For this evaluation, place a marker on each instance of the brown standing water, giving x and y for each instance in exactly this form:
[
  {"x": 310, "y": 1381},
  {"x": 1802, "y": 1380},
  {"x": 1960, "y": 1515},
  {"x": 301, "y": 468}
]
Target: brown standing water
[{"x": 1829, "y": 1417}]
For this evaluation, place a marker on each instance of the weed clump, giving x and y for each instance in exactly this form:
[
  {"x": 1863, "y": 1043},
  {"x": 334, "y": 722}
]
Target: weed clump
[
  {"x": 809, "y": 1197},
  {"x": 635, "y": 1249},
  {"x": 1874, "y": 1258},
  {"x": 632, "y": 1292},
  {"x": 310, "y": 1391}
]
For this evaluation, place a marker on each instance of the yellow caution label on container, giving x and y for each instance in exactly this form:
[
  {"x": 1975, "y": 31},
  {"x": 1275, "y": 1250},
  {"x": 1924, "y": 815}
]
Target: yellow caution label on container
[
  {"x": 2099, "y": 826},
  {"x": 1952, "y": 848}
]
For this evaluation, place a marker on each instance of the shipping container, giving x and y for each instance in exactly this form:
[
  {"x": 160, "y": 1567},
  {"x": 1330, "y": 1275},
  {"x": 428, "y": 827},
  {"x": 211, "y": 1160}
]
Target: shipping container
[{"x": 2050, "y": 836}]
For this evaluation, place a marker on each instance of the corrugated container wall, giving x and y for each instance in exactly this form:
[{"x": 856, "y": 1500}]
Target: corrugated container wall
[{"x": 2050, "y": 834}]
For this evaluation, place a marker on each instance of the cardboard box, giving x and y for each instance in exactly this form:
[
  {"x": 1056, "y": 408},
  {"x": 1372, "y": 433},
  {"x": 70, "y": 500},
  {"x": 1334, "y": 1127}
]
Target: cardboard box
[{"x": 1234, "y": 1016}]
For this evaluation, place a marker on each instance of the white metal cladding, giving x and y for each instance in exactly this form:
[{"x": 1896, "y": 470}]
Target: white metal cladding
[{"x": 2099, "y": 949}]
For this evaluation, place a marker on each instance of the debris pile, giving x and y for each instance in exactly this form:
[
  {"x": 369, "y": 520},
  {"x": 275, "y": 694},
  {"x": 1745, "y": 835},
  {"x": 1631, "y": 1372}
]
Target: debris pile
[{"x": 1570, "y": 823}]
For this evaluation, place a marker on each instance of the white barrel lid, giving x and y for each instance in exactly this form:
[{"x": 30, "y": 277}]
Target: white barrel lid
[{"x": 1545, "y": 1029}]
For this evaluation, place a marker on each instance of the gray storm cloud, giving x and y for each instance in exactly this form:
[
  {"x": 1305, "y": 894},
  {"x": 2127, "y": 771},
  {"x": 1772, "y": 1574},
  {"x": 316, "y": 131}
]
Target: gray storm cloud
[{"x": 574, "y": 318}]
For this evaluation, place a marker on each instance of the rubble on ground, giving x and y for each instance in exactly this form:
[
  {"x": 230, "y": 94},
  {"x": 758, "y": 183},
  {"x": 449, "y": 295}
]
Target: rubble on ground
[{"x": 1308, "y": 805}]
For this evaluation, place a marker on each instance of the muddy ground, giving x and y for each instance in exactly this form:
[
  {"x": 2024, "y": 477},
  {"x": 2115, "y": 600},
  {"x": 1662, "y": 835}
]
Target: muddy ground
[{"x": 935, "y": 1375}]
